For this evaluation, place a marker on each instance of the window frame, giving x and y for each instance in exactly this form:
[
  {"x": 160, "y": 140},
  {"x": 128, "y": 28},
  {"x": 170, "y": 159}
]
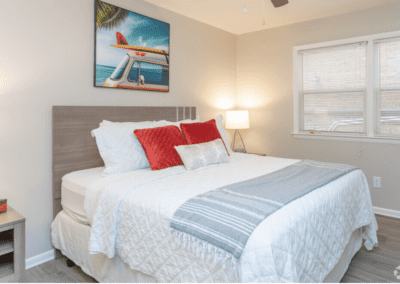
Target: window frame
[{"x": 371, "y": 104}]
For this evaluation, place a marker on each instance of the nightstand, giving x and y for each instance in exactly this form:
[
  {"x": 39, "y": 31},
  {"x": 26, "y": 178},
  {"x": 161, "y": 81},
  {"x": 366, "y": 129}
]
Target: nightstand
[{"x": 12, "y": 246}]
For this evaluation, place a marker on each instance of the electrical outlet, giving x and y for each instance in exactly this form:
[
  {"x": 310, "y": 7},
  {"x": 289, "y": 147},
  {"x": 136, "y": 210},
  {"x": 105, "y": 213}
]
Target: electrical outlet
[{"x": 377, "y": 182}]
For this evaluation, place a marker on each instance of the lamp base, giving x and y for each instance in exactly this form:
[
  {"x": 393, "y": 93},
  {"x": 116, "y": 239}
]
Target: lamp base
[{"x": 240, "y": 150}]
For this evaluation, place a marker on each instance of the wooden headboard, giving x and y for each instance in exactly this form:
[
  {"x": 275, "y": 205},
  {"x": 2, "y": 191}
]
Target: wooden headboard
[{"x": 75, "y": 149}]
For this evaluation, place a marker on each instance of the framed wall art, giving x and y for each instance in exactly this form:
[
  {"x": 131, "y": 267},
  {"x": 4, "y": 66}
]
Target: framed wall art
[{"x": 131, "y": 50}]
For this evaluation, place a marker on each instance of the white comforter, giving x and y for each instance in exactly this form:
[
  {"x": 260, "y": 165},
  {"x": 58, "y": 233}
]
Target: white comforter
[{"x": 130, "y": 215}]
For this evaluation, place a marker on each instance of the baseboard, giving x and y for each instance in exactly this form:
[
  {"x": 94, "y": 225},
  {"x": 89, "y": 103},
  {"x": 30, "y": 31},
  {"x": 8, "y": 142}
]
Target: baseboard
[
  {"x": 387, "y": 212},
  {"x": 39, "y": 259}
]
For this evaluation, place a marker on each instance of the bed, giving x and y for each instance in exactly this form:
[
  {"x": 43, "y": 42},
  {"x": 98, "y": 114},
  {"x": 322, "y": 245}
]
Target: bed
[{"x": 312, "y": 239}]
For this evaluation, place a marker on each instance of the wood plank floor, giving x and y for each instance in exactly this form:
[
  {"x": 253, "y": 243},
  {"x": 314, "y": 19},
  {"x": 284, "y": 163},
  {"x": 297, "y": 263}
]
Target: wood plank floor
[
  {"x": 57, "y": 271},
  {"x": 379, "y": 264},
  {"x": 371, "y": 267}
]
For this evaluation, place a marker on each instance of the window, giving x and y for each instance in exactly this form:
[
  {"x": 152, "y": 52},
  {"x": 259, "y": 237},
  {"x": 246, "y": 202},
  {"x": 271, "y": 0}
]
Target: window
[
  {"x": 154, "y": 74},
  {"x": 134, "y": 73},
  {"x": 348, "y": 88},
  {"x": 388, "y": 89},
  {"x": 333, "y": 89}
]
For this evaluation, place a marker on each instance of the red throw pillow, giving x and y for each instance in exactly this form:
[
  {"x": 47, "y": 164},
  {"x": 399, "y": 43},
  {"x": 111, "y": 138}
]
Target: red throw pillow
[
  {"x": 158, "y": 144},
  {"x": 201, "y": 132}
]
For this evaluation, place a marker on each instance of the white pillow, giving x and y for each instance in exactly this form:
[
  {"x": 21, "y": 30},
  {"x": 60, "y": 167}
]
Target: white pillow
[
  {"x": 120, "y": 149},
  {"x": 222, "y": 132},
  {"x": 178, "y": 123},
  {"x": 203, "y": 154},
  {"x": 132, "y": 124}
]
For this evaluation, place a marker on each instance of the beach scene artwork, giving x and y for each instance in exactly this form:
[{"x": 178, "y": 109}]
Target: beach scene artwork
[{"x": 131, "y": 50}]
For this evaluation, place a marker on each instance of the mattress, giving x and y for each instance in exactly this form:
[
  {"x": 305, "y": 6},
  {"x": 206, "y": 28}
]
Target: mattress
[
  {"x": 72, "y": 237},
  {"x": 73, "y": 189}
]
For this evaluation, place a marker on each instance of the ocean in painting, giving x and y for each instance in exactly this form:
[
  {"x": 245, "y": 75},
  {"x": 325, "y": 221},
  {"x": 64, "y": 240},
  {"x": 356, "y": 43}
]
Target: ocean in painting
[{"x": 152, "y": 75}]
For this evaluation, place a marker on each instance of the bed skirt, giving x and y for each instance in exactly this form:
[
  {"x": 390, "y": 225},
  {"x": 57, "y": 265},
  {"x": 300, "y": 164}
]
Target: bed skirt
[{"x": 72, "y": 238}]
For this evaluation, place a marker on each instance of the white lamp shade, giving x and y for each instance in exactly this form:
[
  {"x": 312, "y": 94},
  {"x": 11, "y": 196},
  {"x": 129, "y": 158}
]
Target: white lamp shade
[{"x": 237, "y": 119}]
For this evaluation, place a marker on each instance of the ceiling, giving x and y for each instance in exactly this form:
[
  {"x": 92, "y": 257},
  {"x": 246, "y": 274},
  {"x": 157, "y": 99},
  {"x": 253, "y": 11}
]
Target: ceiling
[{"x": 228, "y": 14}]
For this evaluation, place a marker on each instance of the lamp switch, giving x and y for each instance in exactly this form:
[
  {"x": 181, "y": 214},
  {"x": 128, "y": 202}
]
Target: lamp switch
[{"x": 377, "y": 182}]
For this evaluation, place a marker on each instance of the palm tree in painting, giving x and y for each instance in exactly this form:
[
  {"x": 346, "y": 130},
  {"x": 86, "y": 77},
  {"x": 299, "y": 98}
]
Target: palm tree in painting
[{"x": 109, "y": 16}]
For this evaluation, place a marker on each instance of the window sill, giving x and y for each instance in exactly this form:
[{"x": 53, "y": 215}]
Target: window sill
[{"x": 377, "y": 139}]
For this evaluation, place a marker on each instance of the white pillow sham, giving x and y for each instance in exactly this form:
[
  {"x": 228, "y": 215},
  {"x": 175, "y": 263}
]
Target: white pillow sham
[
  {"x": 222, "y": 132},
  {"x": 132, "y": 124},
  {"x": 200, "y": 155},
  {"x": 145, "y": 123},
  {"x": 120, "y": 149},
  {"x": 178, "y": 123}
]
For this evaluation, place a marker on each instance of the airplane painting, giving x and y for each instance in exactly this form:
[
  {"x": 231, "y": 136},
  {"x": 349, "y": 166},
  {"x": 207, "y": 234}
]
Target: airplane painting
[{"x": 132, "y": 50}]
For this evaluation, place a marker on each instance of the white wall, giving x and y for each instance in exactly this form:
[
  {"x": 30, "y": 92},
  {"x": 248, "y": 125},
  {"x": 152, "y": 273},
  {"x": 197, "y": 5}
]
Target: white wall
[
  {"x": 46, "y": 59},
  {"x": 265, "y": 87}
]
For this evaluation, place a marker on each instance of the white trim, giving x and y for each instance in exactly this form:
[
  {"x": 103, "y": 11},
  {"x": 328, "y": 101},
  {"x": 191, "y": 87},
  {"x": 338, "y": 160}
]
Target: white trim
[
  {"x": 39, "y": 259},
  {"x": 390, "y": 39},
  {"x": 348, "y": 40},
  {"x": 297, "y": 76},
  {"x": 387, "y": 212},
  {"x": 333, "y": 91},
  {"x": 375, "y": 91},
  {"x": 391, "y": 88},
  {"x": 344, "y": 45},
  {"x": 344, "y": 137},
  {"x": 369, "y": 114}
]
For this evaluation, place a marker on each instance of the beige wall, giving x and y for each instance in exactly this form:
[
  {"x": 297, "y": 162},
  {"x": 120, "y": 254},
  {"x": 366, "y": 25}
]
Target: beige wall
[
  {"x": 46, "y": 59},
  {"x": 265, "y": 87}
]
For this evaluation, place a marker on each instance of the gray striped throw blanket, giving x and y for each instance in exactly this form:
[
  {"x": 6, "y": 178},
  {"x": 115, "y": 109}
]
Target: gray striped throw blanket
[{"x": 218, "y": 223}]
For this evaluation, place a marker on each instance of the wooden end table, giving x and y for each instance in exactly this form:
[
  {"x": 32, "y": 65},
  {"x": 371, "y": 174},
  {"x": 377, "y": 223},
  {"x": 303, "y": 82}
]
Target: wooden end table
[{"x": 12, "y": 246}]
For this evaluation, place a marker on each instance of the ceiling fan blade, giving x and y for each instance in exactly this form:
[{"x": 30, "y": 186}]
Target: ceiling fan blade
[{"x": 279, "y": 3}]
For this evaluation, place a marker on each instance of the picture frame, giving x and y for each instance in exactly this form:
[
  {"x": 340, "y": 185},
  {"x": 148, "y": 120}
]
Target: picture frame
[{"x": 131, "y": 51}]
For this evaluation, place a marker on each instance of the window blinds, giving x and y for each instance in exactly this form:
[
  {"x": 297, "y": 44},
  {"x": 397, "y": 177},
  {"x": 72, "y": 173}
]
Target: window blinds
[
  {"x": 387, "y": 54},
  {"x": 333, "y": 89}
]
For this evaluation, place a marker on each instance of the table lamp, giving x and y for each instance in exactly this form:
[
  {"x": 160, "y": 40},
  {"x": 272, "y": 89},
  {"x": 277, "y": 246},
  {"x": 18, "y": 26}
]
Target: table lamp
[{"x": 237, "y": 119}]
